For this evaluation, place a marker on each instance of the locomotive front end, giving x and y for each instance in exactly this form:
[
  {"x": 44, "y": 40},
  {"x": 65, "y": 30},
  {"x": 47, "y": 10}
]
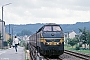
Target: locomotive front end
[{"x": 52, "y": 40}]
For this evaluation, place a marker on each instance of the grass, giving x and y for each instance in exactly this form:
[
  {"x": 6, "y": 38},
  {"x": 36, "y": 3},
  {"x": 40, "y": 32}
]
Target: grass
[
  {"x": 27, "y": 59},
  {"x": 68, "y": 48},
  {"x": 84, "y": 51},
  {"x": 73, "y": 49}
]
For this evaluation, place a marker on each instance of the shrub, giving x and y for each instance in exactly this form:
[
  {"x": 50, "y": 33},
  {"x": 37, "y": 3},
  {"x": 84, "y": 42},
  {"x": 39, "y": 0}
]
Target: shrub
[{"x": 77, "y": 48}]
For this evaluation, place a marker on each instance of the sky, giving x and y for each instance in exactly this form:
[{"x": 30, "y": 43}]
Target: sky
[{"x": 45, "y": 11}]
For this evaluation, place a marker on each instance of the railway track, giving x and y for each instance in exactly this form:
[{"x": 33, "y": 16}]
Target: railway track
[
  {"x": 34, "y": 55},
  {"x": 79, "y": 55},
  {"x": 52, "y": 59},
  {"x": 37, "y": 57}
]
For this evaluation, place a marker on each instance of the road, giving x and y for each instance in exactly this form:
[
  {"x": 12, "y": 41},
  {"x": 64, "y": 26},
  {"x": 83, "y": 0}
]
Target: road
[{"x": 10, "y": 54}]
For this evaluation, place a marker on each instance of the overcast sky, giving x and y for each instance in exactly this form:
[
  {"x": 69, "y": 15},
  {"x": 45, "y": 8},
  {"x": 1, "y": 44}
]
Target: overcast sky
[{"x": 45, "y": 11}]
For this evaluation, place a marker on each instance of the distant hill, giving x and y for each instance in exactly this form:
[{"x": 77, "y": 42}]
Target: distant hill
[{"x": 34, "y": 27}]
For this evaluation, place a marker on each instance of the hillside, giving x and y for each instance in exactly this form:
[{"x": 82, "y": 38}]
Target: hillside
[{"x": 34, "y": 27}]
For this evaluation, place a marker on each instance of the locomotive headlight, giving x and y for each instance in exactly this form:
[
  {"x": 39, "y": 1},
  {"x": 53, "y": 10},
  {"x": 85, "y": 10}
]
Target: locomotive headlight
[
  {"x": 58, "y": 43},
  {"x": 47, "y": 43}
]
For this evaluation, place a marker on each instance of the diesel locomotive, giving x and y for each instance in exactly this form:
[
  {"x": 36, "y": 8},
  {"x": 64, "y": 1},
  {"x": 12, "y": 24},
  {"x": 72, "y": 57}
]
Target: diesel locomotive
[{"x": 48, "y": 40}]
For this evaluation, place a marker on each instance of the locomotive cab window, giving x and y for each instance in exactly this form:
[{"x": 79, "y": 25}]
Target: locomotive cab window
[
  {"x": 47, "y": 28},
  {"x": 56, "y": 28}
]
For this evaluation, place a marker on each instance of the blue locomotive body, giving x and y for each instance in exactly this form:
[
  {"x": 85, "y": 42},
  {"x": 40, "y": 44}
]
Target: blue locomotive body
[{"x": 49, "y": 40}]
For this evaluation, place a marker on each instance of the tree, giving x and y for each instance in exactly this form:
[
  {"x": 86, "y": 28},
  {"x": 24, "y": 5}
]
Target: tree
[
  {"x": 88, "y": 39},
  {"x": 10, "y": 42},
  {"x": 83, "y": 37},
  {"x": 24, "y": 32},
  {"x": 72, "y": 42},
  {"x": 77, "y": 38}
]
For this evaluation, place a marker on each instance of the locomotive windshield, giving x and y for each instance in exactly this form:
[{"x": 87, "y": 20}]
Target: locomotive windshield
[
  {"x": 47, "y": 28},
  {"x": 56, "y": 28},
  {"x": 52, "y": 28}
]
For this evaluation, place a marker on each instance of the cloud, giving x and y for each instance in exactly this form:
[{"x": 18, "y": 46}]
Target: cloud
[{"x": 44, "y": 11}]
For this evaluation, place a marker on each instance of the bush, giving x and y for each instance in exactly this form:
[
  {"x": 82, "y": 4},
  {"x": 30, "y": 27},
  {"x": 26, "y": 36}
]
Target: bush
[
  {"x": 25, "y": 45},
  {"x": 80, "y": 45},
  {"x": 77, "y": 48}
]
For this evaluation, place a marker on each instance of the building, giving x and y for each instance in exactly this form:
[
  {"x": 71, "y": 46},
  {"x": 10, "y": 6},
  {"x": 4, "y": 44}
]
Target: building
[
  {"x": 7, "y": 36},
  {"x": 71, "y": 35},
  {"x": 3, "y": 29},
  {"x": 1, "y": 32}
]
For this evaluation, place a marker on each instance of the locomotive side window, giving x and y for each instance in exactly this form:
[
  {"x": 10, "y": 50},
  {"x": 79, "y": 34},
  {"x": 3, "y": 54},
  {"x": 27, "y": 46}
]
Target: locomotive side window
[
  {"x": 47, "y": 28},
  {"x": 56, "y": 28}
]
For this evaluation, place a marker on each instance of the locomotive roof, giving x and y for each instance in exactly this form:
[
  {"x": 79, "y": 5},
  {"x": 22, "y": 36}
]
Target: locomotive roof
[{"x": 51, "y": 24}]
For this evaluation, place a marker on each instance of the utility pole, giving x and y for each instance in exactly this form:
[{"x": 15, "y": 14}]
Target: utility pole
[
  {"x": 2, "y": 27},
  {"x": 3, "y": 23}
]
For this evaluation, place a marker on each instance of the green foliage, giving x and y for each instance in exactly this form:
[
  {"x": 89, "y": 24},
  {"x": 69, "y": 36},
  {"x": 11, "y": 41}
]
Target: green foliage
[
  {"x": 83, "y": 36},
  {"x": 88, "y": 37},
  {"x": 80, "y": 45},
  {"x": 77, "y": 38},
  {"x": 25, "y": 45},
  {"x": 72, "y": 42},
  {"x": 9, "y": 41},
  {"x": 24, "y": 32},
  {"x": 77, "y": 47},
  {"x": 27, "y": 59},
  {"x": 22, "y": 43},
  {"x": 80, "y": 51},
  {"x": 34, "y": 27}
]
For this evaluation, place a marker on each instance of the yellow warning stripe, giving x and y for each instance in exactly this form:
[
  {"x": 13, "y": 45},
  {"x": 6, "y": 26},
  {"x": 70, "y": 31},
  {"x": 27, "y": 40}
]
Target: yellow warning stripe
[{"x": 52, "y": 43}]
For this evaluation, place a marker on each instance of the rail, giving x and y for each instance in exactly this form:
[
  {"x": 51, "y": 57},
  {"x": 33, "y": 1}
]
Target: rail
[{"x": 76, "y": 54}]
